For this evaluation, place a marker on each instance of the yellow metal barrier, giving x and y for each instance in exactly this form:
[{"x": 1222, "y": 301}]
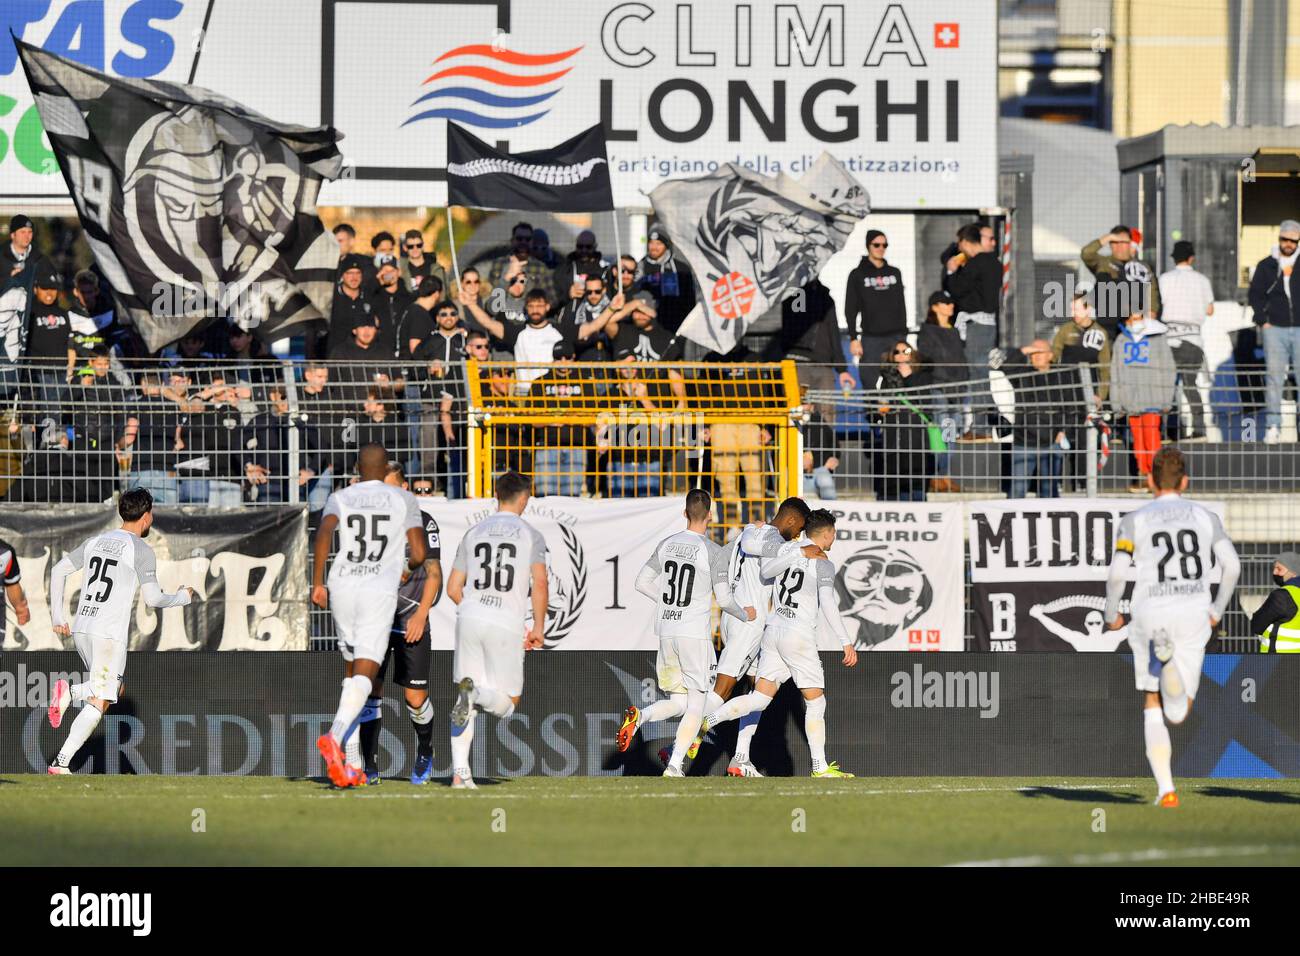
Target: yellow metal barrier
[{"x": 635, "y": 429}]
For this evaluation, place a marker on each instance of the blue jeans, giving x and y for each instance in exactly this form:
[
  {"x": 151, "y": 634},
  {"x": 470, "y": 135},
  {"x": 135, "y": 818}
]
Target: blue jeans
[
  {"x": 1044, "y": 463},
  {"x": 454, "y": 477},
  {"x": 225, "y": 494},
  {"x": 949, "y": 420},
  {"x": 164, "y": 487},
  {"x": 629, "y": 479},
  {"x": 820, "y": 482},
  {"x": 1281, "y": 355},
  {"x": 559, "y": 471},
  {"x": 980, "y": 339}
]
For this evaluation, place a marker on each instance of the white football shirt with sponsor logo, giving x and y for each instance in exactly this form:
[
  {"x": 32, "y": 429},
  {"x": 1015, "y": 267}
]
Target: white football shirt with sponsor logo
[
  {"x": 688, "y": 564},
  {"x": 796, "y": 591},
  {"x": 373, "y": 520},
  {"x": 497, "y": 556},
  {"x": 115, "y": 564}
]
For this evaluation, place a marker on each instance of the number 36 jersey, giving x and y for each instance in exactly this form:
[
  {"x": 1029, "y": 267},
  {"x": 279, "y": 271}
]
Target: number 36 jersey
[
  {"x": 688, "y": 564},
  {"x": 1172, "y": 543},
  {"x": 373, "y": 520},
  {"x": 497, "y": 556}
]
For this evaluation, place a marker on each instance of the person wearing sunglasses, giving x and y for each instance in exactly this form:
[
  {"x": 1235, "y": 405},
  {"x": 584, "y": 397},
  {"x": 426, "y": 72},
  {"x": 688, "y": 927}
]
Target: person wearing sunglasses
[
  {"x": 904, "y": 462},
  {"x": 1124, "y": 283},
  {"x": 874, "y": 298},
  {"x": 1275, "y": 297},
  {"x": 521, "y": 259},
  {"x": 415, "y": 266}
]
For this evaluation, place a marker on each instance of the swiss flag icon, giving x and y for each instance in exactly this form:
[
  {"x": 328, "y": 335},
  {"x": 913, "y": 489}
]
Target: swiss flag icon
[{"x": 947, "y": 35}]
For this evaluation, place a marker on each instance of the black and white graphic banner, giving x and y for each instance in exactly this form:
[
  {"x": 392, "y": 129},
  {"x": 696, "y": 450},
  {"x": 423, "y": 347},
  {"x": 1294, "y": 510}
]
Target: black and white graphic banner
[
  {"x": 898, "y": 573},
  {"x": 249, "y": 570},
  {"x": 571, "y": 177},
  {"x": 194, "y": 206},
  {"x": 1038, "y": 572}
]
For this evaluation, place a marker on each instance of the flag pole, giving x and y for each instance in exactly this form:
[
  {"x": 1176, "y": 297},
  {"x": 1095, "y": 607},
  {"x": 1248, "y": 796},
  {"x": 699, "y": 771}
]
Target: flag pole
[
  {"x": 202, "y": 38},
  {"x": 618, "y": 250},
  {"x": 451, "y": 242}
]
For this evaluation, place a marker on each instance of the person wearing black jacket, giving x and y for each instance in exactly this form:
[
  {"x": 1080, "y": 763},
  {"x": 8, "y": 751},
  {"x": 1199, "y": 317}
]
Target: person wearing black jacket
[
  {"x": 1274, "y": 623},
  {"x": 389, "y": 303},
  {"x": 667, "y": 279},
  {"x": 810, "y": 337},
  {"x": 1275, "y": 297},
  {"x": 974, "y": 280},
  {"x": 1049, "y": 404},
  {"x": 266, "y": 452},
  {"x": 152, "y": 433},
  {"x": 874, "y": 295},
  {"x": 945, "y": 355},
  {"x": 904, "y": 462}
]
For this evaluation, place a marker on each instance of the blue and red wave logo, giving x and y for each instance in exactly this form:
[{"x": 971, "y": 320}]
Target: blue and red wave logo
[{"x": 501, "y": 93}]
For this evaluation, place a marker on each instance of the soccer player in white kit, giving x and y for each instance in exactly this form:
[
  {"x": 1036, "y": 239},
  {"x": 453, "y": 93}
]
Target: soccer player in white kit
[
  {"x": 803, "y": 599},
  {"x": 739, "y": 656},
  {"x": 498, "y": 563},
  {"x": 378, "y": 524},
  {"x": 1172, "y": 543},
  {"x": 683, "y": 575},
  {"x": 117, "y": 562}
]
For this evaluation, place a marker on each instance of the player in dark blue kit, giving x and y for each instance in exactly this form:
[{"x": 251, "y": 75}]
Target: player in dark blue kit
[{"x": 411, "y": 651}]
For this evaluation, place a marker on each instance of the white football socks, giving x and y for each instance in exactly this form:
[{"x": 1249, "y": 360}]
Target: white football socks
[
  {"x": 461, "y": 740},
  {"x": 814, "y": 725},
  {"x": 355, "y": 691},
  {"x": 79, "y": 733},
  {"x": 494, "y": 701},
  {"x": 665, "y": 709},
  {"x": 1159, "y": 749},
  {"x": 689, "y": 727},
  {"x": 748, "y": 725},
  {"x": 739, "y": 707},
  {"x": 421, "y": 715},
  {"x": 713, "y": 702}
]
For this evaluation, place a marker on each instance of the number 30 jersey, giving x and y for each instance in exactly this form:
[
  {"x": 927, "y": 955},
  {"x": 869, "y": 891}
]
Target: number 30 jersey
[
  {"x": 1172, "y": 542},
  {"x": 497, "y": 556},
  {"x": 373, "y": 520},
  {"x": 687, "y": 564}
]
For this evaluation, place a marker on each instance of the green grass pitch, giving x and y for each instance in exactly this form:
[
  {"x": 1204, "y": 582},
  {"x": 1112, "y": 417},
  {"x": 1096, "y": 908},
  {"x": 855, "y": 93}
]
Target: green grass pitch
[{"x": 152, "y": 820}]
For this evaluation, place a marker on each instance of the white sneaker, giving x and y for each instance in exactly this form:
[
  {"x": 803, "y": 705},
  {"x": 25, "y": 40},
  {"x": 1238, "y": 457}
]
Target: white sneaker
[
  {"x": 461, "y": 780},
  {"x": 1272, "y": 435},
  {"x": 671, "y": 771},
  {"x": 743, "y": 769}
]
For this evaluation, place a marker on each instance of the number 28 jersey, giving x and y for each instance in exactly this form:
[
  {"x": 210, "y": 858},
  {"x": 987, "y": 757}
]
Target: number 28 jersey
[
  {"x": 1171, "y": 541},
  {"x": 497, "y": 556},
  {"x": 373, "y": 520},
  {"x": 688, "y": 564}
]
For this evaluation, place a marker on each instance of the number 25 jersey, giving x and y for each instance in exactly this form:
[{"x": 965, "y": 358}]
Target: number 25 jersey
[{"x": 497, "y": 556}]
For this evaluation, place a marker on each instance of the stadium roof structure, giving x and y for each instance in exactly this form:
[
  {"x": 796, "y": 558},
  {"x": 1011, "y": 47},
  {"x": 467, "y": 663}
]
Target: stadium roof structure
[{"x": 1210, "y": 139}]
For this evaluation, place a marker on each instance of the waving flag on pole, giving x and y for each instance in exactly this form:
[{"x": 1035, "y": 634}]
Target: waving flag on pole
[
  {"x": 571, "y": 177},
  {"x": 752, "y": 240},
  {"x": 194, "y": 206}
]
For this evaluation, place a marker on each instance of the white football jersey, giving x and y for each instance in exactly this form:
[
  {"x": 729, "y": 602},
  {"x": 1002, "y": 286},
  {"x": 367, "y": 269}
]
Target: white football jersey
[
  {"x": 687, "y": 564},
  {"x": 116, "y": 563},
  {"x": 497, "y": 556},
  {"x": 795, "y": 597},
  {"x": 743, "y": 563},
  {"x": 373, "y": 520},
  {"x": 1171, "y": 541}
]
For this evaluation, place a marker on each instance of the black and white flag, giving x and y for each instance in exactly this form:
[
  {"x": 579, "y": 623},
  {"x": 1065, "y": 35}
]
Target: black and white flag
[
  {"x": 753, "y": 240},
  {"x": 572, "y": 177},
  {"x": 194, "y": 206}
]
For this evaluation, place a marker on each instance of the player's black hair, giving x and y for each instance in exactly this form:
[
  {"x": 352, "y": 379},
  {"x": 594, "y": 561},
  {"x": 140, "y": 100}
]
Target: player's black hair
[
  {"x": 1168, "y": 468},
  {"x": 395, "y": 468},
  {"x": 510, "y": 485},
  {"x": 698, "y": 504},
  {"x": 381, "y": 237},
  {"x": 134, "y": 504},
  {"x": 796, "y": 505},
  {"x": 970, "y": 232},
  {"x": 345, "y": 227},
  {"x": 817, "y": 520}
]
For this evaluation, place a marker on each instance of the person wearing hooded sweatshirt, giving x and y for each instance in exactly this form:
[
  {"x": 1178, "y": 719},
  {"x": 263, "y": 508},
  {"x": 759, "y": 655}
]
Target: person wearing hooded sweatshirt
[
  {"x": 874, "y": 292},
  {"x": 669, "y": 281},
  {"x": 1275, "y": 297},
  {"x": 1277, "y": 622},
  {"x": 1143, "y": 377}
]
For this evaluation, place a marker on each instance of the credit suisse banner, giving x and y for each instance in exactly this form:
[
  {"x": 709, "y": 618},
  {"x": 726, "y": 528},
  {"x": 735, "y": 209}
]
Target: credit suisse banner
[
  {"x": 1038, "y": 572},
  {"x": 905, "y": 95}
]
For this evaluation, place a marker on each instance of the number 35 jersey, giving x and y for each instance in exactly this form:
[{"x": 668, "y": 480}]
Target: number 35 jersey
[
  {"x": 373, "y": 521},
  {"x": 1171, "y": 541},
  {"x": 688, "y": 564},
  {"x": 497, "y": 556}
]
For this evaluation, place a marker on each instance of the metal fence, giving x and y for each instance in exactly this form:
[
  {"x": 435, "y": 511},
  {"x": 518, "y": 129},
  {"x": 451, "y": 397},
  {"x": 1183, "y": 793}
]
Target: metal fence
[{"x": 207, "y": 431}]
